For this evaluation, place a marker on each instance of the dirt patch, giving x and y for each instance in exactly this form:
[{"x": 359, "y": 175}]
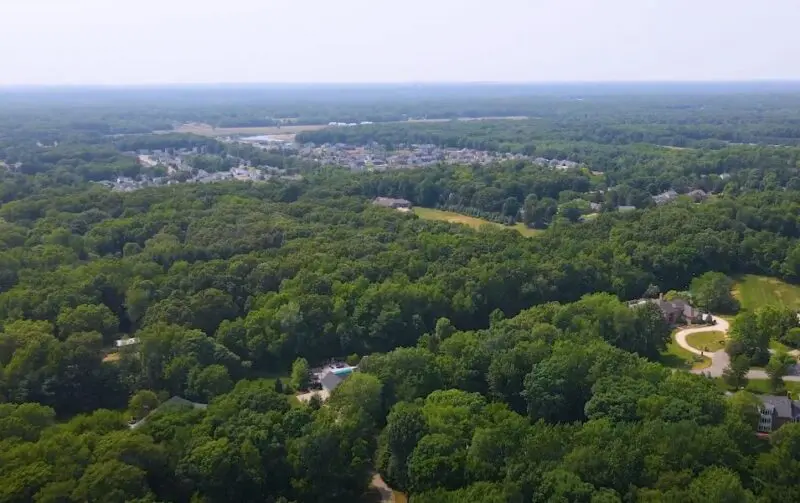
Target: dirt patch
[
  {"x": 322, "y": 394},
  {"x": 111, "y": 357}
]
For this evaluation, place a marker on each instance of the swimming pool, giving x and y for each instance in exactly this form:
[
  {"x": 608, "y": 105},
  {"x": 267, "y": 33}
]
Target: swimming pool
[{"x": 343, "y": 371}]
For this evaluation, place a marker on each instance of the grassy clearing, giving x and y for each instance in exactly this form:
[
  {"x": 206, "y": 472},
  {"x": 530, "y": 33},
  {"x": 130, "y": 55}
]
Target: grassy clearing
[
  {"x": 707, "y": 341},
  {"x": 475, "y": 223},
  {"x": 779, "y": 346},
  {"x": 761, "y": 387},
  {"x": 754, "y": 291},
  {"x": 203, "y": 129},
  {"x": 679, "y": 358},
  {"x": 470, "y": 119},
  {"x": 285, "y": 379},
  {"x": 208, "y": 130}
]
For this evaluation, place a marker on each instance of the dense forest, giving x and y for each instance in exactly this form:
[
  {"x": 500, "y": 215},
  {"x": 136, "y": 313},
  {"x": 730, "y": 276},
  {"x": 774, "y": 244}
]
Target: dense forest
[{"x": 491, "y": 367}]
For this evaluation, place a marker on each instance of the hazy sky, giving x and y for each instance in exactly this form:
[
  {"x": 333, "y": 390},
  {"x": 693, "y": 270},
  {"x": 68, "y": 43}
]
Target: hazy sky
[{"x": 182, "y": 41}]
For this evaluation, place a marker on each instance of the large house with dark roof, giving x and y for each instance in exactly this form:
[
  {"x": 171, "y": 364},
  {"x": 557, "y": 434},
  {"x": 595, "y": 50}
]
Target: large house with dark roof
[
  {"x": 777, "y": 411},
  {"x": 679, "y": 311},
  {"x": 676, "y": 312}
]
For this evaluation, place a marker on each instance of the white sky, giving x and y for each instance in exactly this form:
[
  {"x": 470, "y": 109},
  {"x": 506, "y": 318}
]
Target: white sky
[{"x": 211, "y": 41}]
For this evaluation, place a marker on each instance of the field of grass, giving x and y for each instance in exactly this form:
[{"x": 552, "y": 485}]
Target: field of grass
[
  {"x": 207, "y": 130},
  {"x": 475, "y": 223},
  {"x": 290, "y": 129},
  {"x": 678, "y": 358},
  {"x": 755, "y": 291},
  {"x": 707, "y": 341},
  {"x": 761, "y": 387},
  {"x": 779, "y": 346},
  {"x": 469, "y": 119}
]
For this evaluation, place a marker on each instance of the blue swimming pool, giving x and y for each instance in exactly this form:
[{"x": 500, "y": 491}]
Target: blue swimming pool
[{"x": 343, "y": 371}]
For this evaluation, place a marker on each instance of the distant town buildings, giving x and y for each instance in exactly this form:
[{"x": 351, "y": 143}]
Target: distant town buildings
[
  {"x": 176, "y": 168},
  {"x": 376, "y": 157}
]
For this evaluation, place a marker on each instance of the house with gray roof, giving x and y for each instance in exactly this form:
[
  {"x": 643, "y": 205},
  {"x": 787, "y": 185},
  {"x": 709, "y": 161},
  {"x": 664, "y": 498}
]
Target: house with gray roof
[
  {"x": 390, "y": 202},
  {"x": 330, "y": 381},
  {"x": 698, "y": 195},
  {"x": 679, "y": 311},
  {"x": 776, "y": 411},
  {"x": 665, "y": 197},
  {"x": 675, "y": 312}
]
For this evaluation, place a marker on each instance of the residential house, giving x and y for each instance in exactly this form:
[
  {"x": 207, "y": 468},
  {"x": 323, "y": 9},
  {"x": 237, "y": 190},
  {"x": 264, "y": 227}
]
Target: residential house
[
  {"x": 121, "y": 343},
  {"x": 389, "y": 202},
  {"x": 665, "y": 197},
  {"x": 676, "y": 312},
  {"x": 777, "y": 411},
  {"x": 698, "y": 195},
  {"x": 330, "y": 381},
  {"x": 679, "y": 311}
]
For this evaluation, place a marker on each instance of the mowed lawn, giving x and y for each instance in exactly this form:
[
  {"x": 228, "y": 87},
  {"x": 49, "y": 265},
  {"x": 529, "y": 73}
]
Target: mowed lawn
[
  {"x": 475, "y": 223},
  {"x": 678, "y": 358},
  {"x": 754, "y": 291},
  {"x": 707, "y": 341}
]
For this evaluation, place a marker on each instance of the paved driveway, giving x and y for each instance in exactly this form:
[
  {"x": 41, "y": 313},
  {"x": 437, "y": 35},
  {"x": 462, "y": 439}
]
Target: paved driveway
[{"x": 720, "y": 359}]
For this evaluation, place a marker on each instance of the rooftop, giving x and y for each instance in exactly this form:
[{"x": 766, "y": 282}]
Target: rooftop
[
  {"x": 783, "y": 406},
  {"x": 330, "y": 380}
]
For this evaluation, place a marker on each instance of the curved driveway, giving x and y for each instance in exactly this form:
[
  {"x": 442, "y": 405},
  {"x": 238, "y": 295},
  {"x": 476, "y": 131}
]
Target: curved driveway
[{"x": 720, "y": 359}]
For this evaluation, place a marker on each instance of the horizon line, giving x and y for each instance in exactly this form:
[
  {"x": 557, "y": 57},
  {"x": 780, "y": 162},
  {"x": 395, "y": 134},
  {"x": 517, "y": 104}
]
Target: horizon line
[{"x": 399, "y": 83}]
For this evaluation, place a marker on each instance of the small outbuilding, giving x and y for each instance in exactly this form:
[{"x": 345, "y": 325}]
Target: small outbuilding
[
  {"x": 121, "y": 343},
  {"x": 390, "y": 202}
]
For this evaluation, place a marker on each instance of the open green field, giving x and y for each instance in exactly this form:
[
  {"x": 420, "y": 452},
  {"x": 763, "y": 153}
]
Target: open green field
[
  {"x": 761, "y": 387},
  {"x": 754, "y": 291},
  {"x": 204, "y": 129},
  {"x": 678, "y": 358},
  {"x": 707, "y": 341},
  {"x": 208, "y": 130},
  {"x": 475, "y": 223}
]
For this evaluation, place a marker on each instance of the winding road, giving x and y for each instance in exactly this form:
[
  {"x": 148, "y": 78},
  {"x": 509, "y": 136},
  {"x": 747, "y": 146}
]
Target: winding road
[{"x": 720, "y": 359}]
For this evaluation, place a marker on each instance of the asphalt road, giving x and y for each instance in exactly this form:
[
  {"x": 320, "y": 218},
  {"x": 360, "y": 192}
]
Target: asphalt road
[{"x": 720, "y": 359}]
